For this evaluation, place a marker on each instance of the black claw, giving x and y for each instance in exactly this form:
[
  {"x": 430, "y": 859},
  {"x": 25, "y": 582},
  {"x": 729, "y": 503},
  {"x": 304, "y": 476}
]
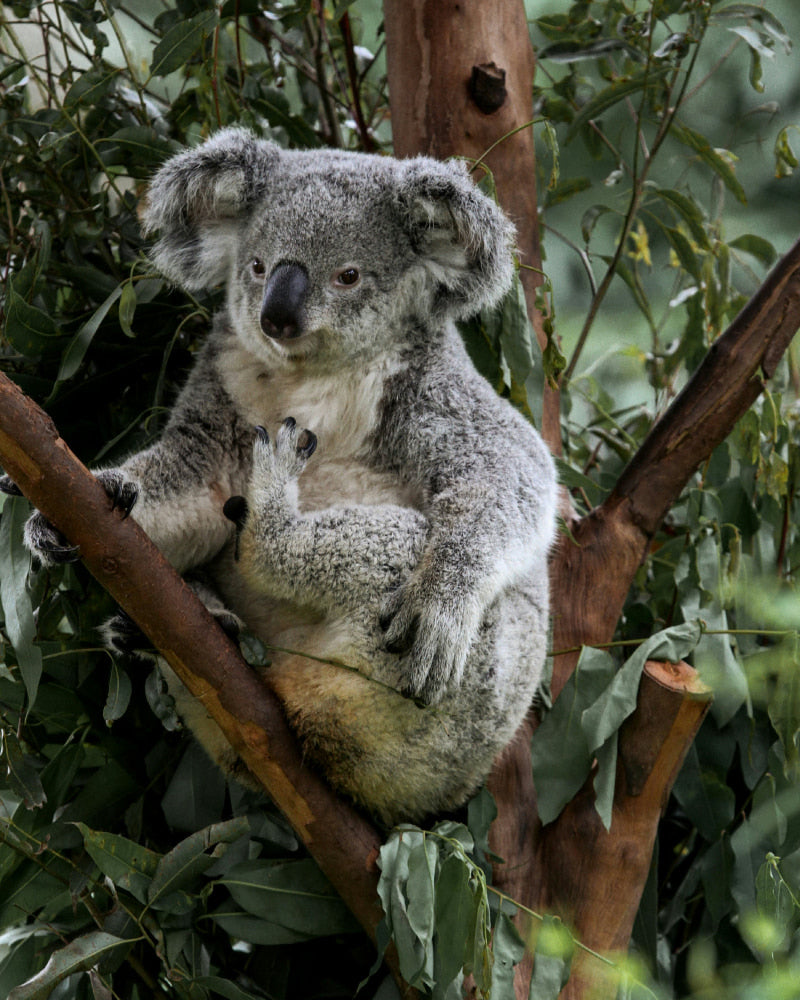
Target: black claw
[
  {"x": 290, "y": 422},
  {"x": 308, "y": 449},
  {"x": 7, "y": 485},
  {"x": 235, "y": 509},
  {"x": 262, "y": 434},
  {"x": 229, "y": 625},
  {"x": 403, "y": 643},
  {"x": 124, "y": 497}
]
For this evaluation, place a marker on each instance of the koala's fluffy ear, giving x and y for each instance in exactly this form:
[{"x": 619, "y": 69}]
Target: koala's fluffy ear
[
  {"x": 462, "y": 237},
  {"x": 197, "y": 201}
]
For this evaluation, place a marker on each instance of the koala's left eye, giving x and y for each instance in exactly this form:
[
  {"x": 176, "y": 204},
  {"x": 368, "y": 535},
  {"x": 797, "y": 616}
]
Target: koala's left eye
[
  {"x": 347, "y": 278},
  {"x": 257, "y": 266}
]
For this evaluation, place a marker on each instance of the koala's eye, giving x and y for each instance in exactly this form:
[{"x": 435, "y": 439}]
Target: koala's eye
[
  {"x": 347, "y": 278},
  {"x": 257, "y": 266}
]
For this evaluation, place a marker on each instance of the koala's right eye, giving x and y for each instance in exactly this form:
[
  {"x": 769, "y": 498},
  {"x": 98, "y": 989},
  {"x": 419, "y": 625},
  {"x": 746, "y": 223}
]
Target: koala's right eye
[{"x": 258, "y": 267}]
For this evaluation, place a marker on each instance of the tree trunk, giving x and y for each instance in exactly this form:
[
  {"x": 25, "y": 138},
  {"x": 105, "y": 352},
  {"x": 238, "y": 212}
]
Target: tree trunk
[{"x": 440, "y": 54}]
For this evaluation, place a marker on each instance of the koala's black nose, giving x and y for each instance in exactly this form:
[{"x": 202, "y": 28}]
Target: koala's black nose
[{"x": 283, "y": 305}]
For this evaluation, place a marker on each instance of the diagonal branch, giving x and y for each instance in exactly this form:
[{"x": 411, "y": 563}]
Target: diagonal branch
[
  {"x": 723, "y": 388},
  {"x": 124, "y": 560}
]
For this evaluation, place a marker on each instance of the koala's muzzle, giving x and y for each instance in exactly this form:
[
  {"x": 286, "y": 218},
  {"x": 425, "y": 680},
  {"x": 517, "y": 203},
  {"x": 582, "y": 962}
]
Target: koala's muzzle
[{"x": 283, "y": 306}]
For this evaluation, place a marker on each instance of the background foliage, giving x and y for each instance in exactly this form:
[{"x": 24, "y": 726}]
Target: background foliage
[{"x": 128, "y": 866}]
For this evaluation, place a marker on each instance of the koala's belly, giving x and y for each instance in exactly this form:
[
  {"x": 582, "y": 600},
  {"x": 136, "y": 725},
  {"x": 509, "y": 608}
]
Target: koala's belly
[{"x": 325, "y": 483}]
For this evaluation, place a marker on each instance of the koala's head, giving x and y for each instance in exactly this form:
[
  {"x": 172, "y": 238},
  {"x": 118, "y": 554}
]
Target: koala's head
[{"x": 327, "y": 254}]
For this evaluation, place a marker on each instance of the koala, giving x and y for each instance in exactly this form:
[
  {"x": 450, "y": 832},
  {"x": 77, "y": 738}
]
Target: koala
[{"x": 356, "y": 493}]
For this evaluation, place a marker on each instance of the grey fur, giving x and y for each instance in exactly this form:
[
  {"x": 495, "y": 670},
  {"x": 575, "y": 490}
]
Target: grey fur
[{"x": 428, "y": 509}]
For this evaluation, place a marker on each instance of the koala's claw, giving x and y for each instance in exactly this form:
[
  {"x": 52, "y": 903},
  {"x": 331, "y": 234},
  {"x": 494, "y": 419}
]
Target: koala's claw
[
  {"x": 124, "y": 495},
  {"x": 7, "y": 485},
  {"x": 122, "y": 635},
  {"x": 432, "y": 647},
  {"x": 292, "y": 450}
]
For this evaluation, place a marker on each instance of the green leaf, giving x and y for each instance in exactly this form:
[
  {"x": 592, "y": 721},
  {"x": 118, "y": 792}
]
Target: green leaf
[
  {"x": 757, "y": 247},
  {"x": 256, "y": 930},
  {"x": 456, "y": 910},
  {"x": 560, "y": 737},
  {"x": 508, "y": 948},
  {"x": 127, "y": 308},
  {"x": 587, "y": 714},
  {"x": 28, "y": 329},
  {"x": 17, "y": 608},
  {"x": 22, "y": 777},
  {"x": 589, "y": 220},
  {"x": 119, "y": 694},
  {"x": 612, "y": 95},
  {"x": 129, "y": 865},
  {"x": 293, "y": 894},
  {"x": 785, "y": 158},
  {"x": 90, "y": 88},
  {"x": 83, "y": 953},
  {"x": 179, "y": 868},
  {"x": 574, "y": 51},
  {"x": 552, "y": 960},
  {"x": 705, "y": 798},
  {"x": 181, "y": 42},
  {"x": 711, "y": 157},
  {"x": 774, "y": 897},
  {"x": 683, "y": 250},
  {"x": 751, "y": 12},
  {"x": 223, "y": 988},
  {"x": 690, "y": 212},
  {"x": 78, "y": 346}
]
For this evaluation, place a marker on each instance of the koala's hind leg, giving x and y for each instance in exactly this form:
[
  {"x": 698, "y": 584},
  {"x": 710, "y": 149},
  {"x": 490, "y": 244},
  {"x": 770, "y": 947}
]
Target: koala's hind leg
[{"x": 340, "y": 558}]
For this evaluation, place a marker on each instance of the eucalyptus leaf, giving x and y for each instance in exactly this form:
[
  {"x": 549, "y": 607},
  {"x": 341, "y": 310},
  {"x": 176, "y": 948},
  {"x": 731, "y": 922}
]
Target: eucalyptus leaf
[
  {"x": 613, "y": 94},
  {"x": 129, "y": 865},
  {"x": 119, "y": 693},
  {"x": 17, "y": 608},
  {"x": 79, "y": 955},
  {"x": 718, "y": 163},
  {"x": 181, "y": 42}
]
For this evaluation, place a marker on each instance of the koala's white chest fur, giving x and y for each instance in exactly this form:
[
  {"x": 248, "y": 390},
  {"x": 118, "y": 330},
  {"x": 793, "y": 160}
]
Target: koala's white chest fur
[
  {"x": 341, "y": 408},
  {"x": 342, "y": 411}
]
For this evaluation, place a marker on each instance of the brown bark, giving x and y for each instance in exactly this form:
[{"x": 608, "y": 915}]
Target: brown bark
[
  {"x": 124, "y": 560},
  {"x": 592, "y": 878}
]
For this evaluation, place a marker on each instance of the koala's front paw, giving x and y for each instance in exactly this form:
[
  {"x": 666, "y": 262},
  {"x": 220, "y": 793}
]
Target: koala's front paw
[
  {"x": 432, "y": 636},
  {"x": 273, "y": 470},
  {"x": 46, "y": 542},
  {"x": 293, "y": 448}
]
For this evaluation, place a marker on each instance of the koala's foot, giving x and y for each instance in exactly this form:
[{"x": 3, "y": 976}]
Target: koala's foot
[
  {"x": 122, "y": 635},
  {"x": 46, "y": 542}
]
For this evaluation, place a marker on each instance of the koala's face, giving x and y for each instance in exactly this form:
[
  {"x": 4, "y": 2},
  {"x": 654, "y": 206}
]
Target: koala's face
[
  {"x": 324, "y": 269},
  {"x": 327, "y": 255}
]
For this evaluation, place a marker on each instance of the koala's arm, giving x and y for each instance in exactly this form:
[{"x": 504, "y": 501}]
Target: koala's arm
[
  {"x": 489, "y": 498},
  {"x": 176, "y": 488},
  {"x": 184, "y": 479}
]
